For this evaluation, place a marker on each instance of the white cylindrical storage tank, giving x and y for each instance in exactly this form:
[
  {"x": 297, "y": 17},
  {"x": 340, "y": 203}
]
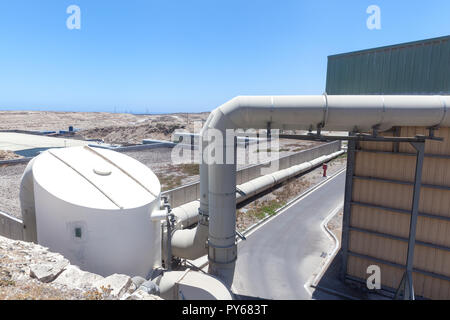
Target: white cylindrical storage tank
[{"x": 94, "y": 206}]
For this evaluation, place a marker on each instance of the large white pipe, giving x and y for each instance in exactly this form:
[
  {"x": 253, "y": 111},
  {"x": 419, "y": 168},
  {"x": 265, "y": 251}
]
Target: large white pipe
[
  {"x": 342, "y": 113},
  {"x": 191, "y": 244},
  {"x": 258, "y": 185},
  {"x": 186, "y": 215}
]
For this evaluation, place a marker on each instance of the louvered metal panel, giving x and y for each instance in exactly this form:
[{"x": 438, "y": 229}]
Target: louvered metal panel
[
  {"x": 380, "y": 214},
  {"x": 421, "y": 67}
]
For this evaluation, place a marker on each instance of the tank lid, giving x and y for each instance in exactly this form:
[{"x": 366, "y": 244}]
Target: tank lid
[{"x": 96, "y": 178}]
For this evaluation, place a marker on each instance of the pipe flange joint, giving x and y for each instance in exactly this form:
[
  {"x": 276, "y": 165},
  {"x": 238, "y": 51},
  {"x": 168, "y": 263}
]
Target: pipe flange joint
[
  {"x": 203, "y": 217},
  {"x": 222, "y": 255}
]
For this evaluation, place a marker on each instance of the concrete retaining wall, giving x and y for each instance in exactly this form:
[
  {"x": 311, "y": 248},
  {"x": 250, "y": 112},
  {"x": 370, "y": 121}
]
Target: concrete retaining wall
[{"x": 11, "y": 227}]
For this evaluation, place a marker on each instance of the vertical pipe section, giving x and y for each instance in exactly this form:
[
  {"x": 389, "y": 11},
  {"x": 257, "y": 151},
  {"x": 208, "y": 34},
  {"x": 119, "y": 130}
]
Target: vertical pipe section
[{"x": 222, "y": 247}]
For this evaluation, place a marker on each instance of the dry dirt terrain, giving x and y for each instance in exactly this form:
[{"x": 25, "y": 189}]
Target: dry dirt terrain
[{"x": 114, "y": 128}]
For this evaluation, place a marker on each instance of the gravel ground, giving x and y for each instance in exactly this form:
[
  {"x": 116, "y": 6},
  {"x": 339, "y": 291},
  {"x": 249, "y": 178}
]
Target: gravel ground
[
  {"x": 335, "y": 225},
  {"x": 10, "y": 177}
]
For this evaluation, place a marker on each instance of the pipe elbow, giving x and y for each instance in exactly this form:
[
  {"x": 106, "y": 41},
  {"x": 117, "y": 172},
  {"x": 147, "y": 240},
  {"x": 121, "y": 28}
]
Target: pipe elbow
[
  {"x": 222, "y": 117},
  {"x": 190, "y": 243}
]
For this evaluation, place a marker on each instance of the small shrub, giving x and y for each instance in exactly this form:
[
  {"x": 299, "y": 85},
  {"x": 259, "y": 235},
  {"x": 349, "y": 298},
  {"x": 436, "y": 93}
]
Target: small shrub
[{"x": 191, "y": 169}]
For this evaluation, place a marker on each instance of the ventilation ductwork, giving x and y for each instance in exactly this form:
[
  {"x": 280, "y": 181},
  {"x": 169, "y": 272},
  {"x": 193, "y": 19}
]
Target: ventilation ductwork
[{"x": 333, "y": 113}]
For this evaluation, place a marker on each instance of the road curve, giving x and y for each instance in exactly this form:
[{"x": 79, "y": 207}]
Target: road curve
[{"x": 279, "y": 257}]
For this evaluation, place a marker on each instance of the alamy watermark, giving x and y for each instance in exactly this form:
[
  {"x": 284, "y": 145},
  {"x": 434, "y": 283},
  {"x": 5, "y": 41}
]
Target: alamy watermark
[
  {"x": 374, "y": 280},
  {"x": 73, "y": 22},
  {"x": 232, "y": 146},
  {"x": 374, "y": 20}
]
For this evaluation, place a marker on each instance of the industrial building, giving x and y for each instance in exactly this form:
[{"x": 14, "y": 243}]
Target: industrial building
[{"x": 397, "y": 198}]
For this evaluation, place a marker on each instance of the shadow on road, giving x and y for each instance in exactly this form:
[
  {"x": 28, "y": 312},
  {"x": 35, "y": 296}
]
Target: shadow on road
[
  {"x": 244, "y": 297},
  {"x": 331, "y": 287}
]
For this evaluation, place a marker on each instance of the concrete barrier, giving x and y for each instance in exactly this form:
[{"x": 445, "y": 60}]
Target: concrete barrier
[
  {"x": 137, "y": 147},
  {"x": 11, "y": 227},
  {"x": 15, "y": 161}
]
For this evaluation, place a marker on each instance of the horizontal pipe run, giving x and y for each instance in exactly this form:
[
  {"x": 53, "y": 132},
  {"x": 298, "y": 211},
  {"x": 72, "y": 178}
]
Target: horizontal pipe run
[
  {"x": 258, "y": 185},
  {"x": 186, "y": 215}
]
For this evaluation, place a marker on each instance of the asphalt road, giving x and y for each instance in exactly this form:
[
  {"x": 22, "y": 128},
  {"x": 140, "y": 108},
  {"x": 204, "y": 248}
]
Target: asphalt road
[{"x": 279, "y": 257}]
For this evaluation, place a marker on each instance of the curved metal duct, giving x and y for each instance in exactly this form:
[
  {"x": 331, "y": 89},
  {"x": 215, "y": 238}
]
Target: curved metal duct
[{"x": 343, "y": 113}]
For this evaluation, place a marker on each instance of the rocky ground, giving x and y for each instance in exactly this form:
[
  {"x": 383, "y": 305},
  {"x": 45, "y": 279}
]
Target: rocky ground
[{"x": 30, "y": 272}]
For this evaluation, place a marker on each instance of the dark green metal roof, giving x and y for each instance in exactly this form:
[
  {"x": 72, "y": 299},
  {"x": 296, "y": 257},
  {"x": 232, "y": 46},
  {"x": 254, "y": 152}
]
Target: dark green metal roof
[{"x": 421, "y": 67}]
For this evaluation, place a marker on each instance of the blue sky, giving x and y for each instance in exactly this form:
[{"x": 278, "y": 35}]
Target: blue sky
[{"x": 188, "y": 55}]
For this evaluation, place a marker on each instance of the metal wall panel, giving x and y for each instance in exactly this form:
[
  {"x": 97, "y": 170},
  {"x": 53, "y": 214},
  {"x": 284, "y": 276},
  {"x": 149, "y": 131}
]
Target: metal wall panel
[
  {"x": 379, "y": 220},
  {"x": 397, "y": 224},
  {"x": 390, "y": 276},
  {"x": 380, "y": 214},
  {"x": 425, "y": 286},
  {"x": 421, "y": 67},
  {"x": 378, "y": 247},
  {"x": 399, "y": 196},
  {"x": 436, "y": 171}
]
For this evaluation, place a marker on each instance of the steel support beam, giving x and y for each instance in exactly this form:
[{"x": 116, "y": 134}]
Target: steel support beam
[
  {"x": 421, "y": 214},
  {"x": 396, "y": 265},
  {"x": 393, "y": 237},
  {"x": 347, "y": 205},
  {"x": 427, "y": 155},
  {"x": 424, "y": 185},
  {"x": 359, "y": 137},
  {"x": 406, "y": 287}
]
